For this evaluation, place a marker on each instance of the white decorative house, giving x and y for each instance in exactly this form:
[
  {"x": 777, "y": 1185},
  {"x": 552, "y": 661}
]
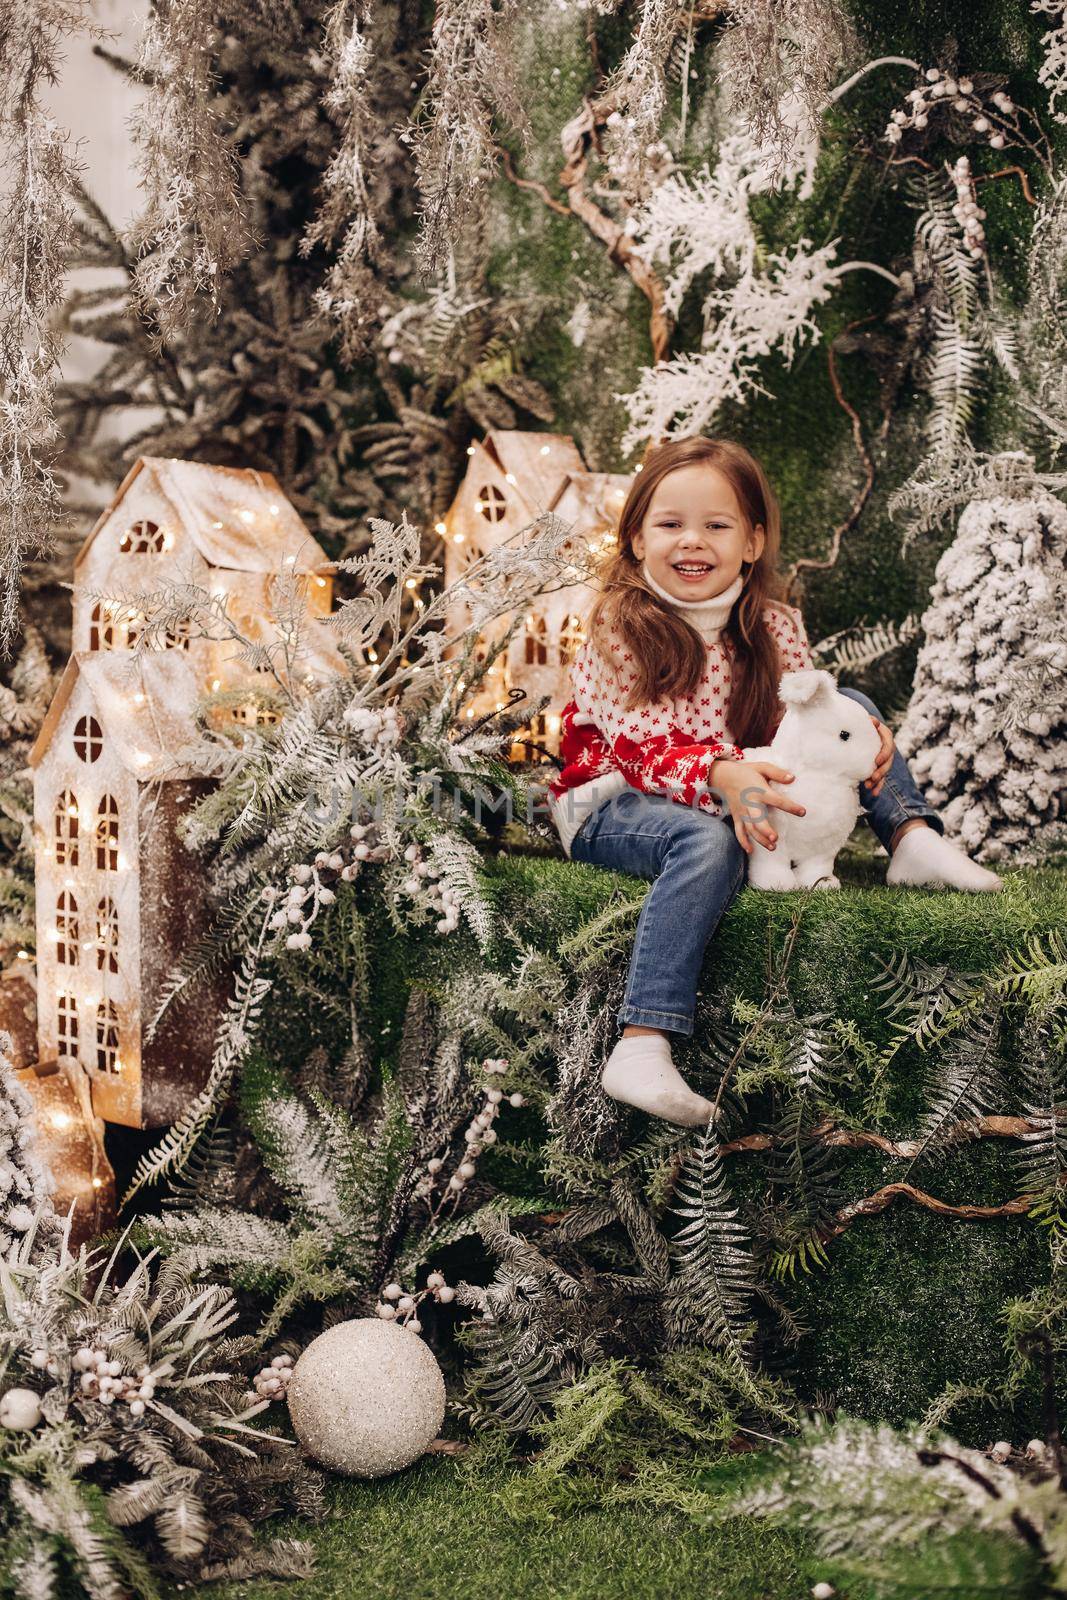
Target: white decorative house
[
  {"x": 119, "y": 898},
  {"x": 514, "y": 477}
]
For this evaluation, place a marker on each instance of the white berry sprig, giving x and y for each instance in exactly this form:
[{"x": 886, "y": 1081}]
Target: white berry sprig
[
  {"x": 272, "y": 1382},
  {"x": 313, "y": 885},
  {"x": 105, "y": 1379},
  {"x": 396, "y": 1305},
  {"x": 967, "y": 211},
  {"x": 995, "y": 118},
  {"x": 480, "y": 1135}
]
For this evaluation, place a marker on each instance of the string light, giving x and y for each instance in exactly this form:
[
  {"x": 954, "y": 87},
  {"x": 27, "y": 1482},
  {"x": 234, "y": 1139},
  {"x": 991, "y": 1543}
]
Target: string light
[
  {"x": 61, "y": 1119},
  {"x": 216, "y": 524},
  {"x": 274, "y": 510},
  {"x": 458, "y": 538},
  {"x": 440, "y": 527},
  {"x": 289, "y": 560},
  {"x": 509, "y": 477},
  {"x": 470, "y": 449},
  {"x": 545, "y": 449},
  {"x": 410, "y": 584},
  {"x": 216, "y": 685}
]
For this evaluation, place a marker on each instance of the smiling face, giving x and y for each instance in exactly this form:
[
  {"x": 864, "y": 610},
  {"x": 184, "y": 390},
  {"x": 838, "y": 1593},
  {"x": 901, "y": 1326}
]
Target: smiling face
[{"x": 694, "y": 535}]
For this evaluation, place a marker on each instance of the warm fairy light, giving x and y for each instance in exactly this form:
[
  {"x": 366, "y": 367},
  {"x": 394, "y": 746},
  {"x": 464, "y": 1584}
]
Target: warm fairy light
[
  {"x": 321, "y": 582},
  {"x": 469, "y": 712},
  {"x": 479, "y": 505},
  {"x": 458, "y": 538},
  {"x": 138, "y": 698},
  {"x": 372, "y": 654},
  {"x": 545, "y": 449},
  {"x": 122, "y": 863},
  {"x": 98, "y": 1183},
  {"x": 72, "y": 811},
  {"x": 247, "y": 516},
  {"x": 68, "y": 883},
  {"x": 61, "y": 1119},
  {"x": 289, "y": 560},
  {"x": 470, "y": 449},
  {"x": 640, "y": 467},
  {"x": 274, "y": 510},
  {"x": 410, "y": 583},
  {"x": 22, "y": 955},
  {"x": 142, "y": 758},
  {"x": 440, "y": 527},
  {"x": 216, "y": 685},
  {"x": 554, "y": 724},
  {"x": 167, "y": 541},
  {"x": 509, "y": 477}
]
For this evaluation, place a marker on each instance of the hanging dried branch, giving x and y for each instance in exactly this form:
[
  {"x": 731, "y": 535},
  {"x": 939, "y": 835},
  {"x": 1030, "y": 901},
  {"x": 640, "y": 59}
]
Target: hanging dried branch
[
  {"x": 37, "y": 173},
  {"x": 192, "y": 230},
  {"x": 778, "y": 60},
  {"x": 470, "y": 81},
  {"x": 346, "y": 213}
]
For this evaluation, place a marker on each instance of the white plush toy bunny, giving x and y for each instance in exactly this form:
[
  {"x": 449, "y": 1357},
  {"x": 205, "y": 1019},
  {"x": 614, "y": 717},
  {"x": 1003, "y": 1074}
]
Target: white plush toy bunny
[{"x": 830, "y": 744}]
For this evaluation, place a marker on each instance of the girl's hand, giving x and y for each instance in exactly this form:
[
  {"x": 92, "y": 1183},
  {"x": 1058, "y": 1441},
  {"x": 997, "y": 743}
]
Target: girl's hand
[
  {"x": 744, "y": 787},
  {"x": 884, "y": 759}
]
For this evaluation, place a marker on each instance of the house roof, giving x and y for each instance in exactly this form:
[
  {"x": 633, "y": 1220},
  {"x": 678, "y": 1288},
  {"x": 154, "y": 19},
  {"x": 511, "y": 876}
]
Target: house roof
[
  {"x": 237, "y": 518},
  {"x": 597, "y": 495},
  {"x": 534, "y": 458},
  {"x": 145, "y": 705}
]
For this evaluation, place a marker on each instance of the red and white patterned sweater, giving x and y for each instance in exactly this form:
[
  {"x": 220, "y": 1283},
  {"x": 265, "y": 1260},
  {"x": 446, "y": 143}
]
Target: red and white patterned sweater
[{"x": 667, "y": 748}]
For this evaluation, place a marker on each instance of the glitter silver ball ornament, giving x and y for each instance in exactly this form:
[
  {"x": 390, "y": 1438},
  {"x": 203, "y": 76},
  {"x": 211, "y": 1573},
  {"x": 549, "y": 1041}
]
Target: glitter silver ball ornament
[{"x": 366, "y": 1397}]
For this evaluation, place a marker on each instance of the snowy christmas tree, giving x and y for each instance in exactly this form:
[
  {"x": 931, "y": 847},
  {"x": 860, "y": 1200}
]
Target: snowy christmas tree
[{"x": 986, "y": 730}]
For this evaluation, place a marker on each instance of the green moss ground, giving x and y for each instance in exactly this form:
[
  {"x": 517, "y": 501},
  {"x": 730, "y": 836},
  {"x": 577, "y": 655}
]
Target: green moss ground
[
  {"x": 909, "y": 1302},
  {"x": 428, "y": 1534}
]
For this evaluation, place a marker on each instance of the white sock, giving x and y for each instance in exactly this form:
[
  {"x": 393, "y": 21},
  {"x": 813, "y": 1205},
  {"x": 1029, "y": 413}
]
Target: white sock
[
  {"x": 924, "y": 856},
  {"x": 640, "y": 1072}
]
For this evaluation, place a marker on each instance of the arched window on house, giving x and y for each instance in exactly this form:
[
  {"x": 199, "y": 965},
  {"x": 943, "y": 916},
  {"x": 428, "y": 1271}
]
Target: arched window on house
[
  {"x": 107, "y": 834},
  {"x": 101, "y": 627},
  {"x": 66, "y": 929},
  {"x": 88, "y": 739},
  {"x": 491, "y": 503},
  {"x": 66, "y": 1025},
  {"x": 536, "y": 641},
  {"x": 107, "y": 1037},
  {"x": 143, "y": 538},
  {"x": 570, "y": 637},
  {"x": 107, "y": 935},
  {"x": 66, "y": 829}
]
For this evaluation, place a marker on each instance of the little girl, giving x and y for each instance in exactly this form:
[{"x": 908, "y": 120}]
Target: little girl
[{"x": 687, "y": 644}]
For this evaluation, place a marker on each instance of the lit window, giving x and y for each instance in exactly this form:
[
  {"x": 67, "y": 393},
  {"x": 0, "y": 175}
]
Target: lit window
[
  {"x": 107, "y": 1037},
  {"x": 491, "y": 503},
  {"x": 107, "y": 936},
  {"x": 142, "y": 538},
  {"x": 66, "y": 829},
  {"x": 536, "y": 642},
  {"x": 67, "y": 1025},
  {"x": 570, "y": 637},
  {"x": 107, "y": 834},
  {"x": 67, "y": 929},
  {"x": 101, "y": 627},
  {"x": 88, "y": 739}
]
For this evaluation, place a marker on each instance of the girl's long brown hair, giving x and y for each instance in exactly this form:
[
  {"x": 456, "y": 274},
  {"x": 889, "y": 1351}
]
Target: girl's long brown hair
[{"x": 668, "y": 654}]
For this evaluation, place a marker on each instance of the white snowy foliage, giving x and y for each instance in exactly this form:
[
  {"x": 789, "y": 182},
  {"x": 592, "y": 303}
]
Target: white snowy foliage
[
  {"x": 761, "y": 313},
  {"x": 1053, "y": 70},
  {"x": 986, "y": 730},
  {"x": 24, "y": 1183}
]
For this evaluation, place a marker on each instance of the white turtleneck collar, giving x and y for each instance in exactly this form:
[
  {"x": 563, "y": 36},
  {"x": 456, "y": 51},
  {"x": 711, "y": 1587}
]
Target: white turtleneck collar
[{"x": 708, "y": 617}]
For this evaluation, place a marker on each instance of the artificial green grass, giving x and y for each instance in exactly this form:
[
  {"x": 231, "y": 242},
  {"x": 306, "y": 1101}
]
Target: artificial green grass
[{"x": 431, "y": 1534}]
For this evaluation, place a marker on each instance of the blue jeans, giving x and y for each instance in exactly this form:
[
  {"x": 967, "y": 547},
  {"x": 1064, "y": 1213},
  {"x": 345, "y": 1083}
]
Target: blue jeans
[{"x": 697, "y": 868}]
